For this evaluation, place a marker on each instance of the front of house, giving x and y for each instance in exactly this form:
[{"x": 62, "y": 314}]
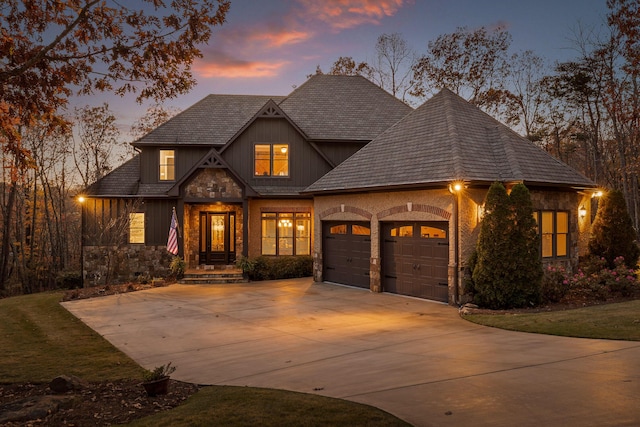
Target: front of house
[{"x": 382, "y": 196}]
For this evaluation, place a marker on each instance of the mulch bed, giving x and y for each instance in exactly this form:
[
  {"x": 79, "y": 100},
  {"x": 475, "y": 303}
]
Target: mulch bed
[{"x": 94, "y": 404}]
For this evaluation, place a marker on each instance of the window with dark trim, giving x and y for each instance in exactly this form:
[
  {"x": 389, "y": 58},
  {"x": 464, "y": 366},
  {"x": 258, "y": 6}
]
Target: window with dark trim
[
  {"x": 553, "y": 228},
  {"x": 271, "y": 160},
  {"x": 136, "y": 227},
  {"x": 286, "y": 233},
  {"x": 167, "y": 165}
]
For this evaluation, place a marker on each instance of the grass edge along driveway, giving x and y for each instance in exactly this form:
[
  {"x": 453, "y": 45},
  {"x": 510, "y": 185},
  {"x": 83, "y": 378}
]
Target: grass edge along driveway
[
  {"x": 40, "y": 340},
  {"x": 618, "y": 321}
]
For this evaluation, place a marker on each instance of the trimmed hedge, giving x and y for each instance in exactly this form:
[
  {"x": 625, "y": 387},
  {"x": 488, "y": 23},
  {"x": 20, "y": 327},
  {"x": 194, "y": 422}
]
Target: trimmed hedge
[{"x": 272, "y": 268}]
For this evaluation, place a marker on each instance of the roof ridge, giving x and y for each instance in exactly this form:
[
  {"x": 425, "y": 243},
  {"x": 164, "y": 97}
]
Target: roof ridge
[{"x": 453, "y": 129}]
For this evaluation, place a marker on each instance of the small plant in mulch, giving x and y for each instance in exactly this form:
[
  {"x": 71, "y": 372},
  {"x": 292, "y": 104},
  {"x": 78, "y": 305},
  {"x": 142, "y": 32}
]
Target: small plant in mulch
[{"x": 159, "y": 372}]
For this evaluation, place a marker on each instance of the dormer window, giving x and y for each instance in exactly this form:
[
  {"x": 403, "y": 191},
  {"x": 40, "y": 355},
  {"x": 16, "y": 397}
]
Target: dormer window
[
  {"x": 271, "y": 160},
  {"x": 167, "y": 165}
]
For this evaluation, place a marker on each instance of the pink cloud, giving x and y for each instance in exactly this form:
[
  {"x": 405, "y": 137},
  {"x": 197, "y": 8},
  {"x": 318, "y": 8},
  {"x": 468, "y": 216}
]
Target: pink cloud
[
  {"x": 279, "y": 38},
  {"x": 225, "y": 66},
  {"x": 344, "y": 14}
]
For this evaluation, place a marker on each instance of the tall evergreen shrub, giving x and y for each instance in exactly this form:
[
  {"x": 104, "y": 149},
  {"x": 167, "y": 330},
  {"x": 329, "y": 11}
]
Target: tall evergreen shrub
[
  {"x": 612, "y": 233},
  {"x": 508, "y": 270},
  {"x": 492, "y": 272},
  {"x": 525, "y": 249}
]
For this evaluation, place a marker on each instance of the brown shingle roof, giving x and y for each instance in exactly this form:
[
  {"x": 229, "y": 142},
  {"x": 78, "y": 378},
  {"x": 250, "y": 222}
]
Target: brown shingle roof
[
  {"x": 325, "y": 107},
  {"x": 329, "y": 107},
  {"x": 122, "y": 181},
  {"x": 444, "y": 140},
  {"x": 211, "y": 121}
]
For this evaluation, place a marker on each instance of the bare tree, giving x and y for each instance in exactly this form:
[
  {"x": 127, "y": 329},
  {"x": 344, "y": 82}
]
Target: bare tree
[
  {"x": 98, "y": 135},
  {"x": 394, "y": 65},
  {"x": 525, "y": 100}
]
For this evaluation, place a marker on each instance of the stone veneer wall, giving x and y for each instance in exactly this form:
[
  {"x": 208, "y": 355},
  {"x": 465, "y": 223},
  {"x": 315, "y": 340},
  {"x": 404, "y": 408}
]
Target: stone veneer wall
[
  {"x": 124, "y": 263},
  {"x": 210, "y": 183},
  {"x": 213, "y": 183}
]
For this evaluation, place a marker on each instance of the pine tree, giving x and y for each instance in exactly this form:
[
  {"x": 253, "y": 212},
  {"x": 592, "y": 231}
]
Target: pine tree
[{"x": 612, "y": 234}]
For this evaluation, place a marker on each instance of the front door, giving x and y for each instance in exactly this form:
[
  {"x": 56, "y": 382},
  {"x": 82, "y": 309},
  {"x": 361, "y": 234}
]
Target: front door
[{"x": 217, "y": 237}]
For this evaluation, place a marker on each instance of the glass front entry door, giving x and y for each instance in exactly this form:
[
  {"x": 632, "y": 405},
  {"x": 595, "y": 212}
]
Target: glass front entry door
[{"x": 217, "y": 237}]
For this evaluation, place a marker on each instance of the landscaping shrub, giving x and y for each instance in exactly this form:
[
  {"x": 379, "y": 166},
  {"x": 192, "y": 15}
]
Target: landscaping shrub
[
  {"x": 612, "y": 233},
  {"x": 556, "y": 283},
  {"x": 177, "y": 267},
  {"x": 594, "y": 280},
  {"x": 508, "y": 270},
  {"x": 69, "y": 279},
  {"x": 525, "y": 249},
  {"x": 272, "y": 268}
]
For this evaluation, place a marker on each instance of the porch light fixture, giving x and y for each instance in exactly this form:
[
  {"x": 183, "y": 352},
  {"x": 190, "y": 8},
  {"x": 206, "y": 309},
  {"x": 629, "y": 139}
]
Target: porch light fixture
[
  {"x": 81, "y": 199},
  {"x": 597, "y": 194},
  {"x": 582, "y": 211}
]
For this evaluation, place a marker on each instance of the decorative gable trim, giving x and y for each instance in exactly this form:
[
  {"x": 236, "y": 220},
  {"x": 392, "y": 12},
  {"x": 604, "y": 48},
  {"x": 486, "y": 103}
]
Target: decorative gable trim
[
  {"x": 270, "y": 110},
  {"x": 213, "y": 161}
]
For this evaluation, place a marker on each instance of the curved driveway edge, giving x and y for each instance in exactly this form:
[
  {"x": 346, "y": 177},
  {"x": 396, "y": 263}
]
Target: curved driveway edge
[{"x": 415, "y": 359}]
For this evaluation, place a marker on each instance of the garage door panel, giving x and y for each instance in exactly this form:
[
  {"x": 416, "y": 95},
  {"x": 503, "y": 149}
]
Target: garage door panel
[
  {"x": 415, "y": 259},
  {"x": 346, "y": 253}
]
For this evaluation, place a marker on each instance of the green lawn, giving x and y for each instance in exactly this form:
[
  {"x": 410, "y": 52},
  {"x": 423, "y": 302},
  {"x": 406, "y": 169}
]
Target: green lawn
[
  {"x": 610, "y": 321},
  {"x": 41, "y": 340}
]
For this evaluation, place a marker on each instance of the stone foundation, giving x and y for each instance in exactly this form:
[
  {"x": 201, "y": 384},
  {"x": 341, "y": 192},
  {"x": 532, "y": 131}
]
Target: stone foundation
[{"x": 104, "y": 265}]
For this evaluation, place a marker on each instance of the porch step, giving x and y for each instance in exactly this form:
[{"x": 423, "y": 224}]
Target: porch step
[{"x": 208, "y": 276}]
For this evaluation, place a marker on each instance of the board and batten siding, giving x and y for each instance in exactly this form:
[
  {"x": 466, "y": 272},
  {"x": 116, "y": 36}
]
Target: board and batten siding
[
  {"x": 100, "y": 215},
  {"x": 305, "y": 163},
  {"x": 158, "y": 220},
  {"x": 339, "y": 151},
  {"x": 186, "y": 158}
]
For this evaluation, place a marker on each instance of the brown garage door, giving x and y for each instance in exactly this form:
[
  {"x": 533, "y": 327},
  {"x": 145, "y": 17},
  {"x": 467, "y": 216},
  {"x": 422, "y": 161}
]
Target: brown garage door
[
  {"x": 415, "y": 258},
  {"x": 346, "y": 249}
]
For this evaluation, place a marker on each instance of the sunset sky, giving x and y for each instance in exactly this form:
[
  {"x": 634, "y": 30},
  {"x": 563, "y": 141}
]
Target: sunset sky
[{"x": 268, "y": 47}]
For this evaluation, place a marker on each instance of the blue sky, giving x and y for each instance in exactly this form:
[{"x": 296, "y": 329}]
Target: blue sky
[{"x": 267, "y": 47}]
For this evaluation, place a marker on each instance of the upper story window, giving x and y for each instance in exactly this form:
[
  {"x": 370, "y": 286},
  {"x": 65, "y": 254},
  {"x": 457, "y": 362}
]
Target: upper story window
[
  {"x": 167, "y": 165},
  {"x": 271, "y": 160},
  {"x": 553, "y": 228},
  {"x": 136, "y": 227}
]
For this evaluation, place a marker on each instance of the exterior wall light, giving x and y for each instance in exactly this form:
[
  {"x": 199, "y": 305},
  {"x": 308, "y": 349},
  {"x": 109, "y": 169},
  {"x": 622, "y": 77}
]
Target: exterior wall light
[
  {"x": 455, "y": 187},
  {"x": 597, "y": 194},
  {"x": 582, "y": 212},
  {"x": 81, "y": 199}
]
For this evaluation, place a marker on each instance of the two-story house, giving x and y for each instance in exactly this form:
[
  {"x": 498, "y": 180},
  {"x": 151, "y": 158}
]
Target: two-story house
[
  {"x": 234, "y": 168},
  {"x": 382, "y": 196}
]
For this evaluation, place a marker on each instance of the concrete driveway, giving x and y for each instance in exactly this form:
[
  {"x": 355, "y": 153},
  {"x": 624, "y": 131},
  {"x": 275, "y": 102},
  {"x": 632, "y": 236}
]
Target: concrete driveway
[{"x": 415, "y": 359}]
